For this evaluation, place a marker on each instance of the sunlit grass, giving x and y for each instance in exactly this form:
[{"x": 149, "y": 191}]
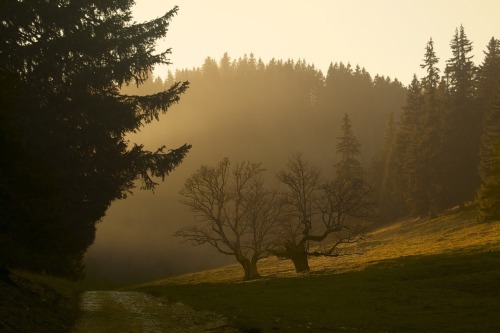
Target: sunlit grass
[
  {"x": 418, "y": 275},
  {"x": 445, "y": 234}
]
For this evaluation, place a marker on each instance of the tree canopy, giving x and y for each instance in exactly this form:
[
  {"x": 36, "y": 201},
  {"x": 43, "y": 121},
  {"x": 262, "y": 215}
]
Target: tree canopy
[
  {"x": 443, "y": 148},
  {"x": 63, "y": 123}
]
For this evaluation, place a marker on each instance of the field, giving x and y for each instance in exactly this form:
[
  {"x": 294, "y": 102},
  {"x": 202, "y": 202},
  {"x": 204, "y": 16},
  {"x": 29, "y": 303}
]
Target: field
[{"x": 421, "y": 275}]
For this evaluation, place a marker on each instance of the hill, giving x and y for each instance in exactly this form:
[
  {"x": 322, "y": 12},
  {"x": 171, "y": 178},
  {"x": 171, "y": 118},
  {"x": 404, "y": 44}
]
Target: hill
[
  {"x": 37, "y": 303},
  {"x": 419, "y": 275}
]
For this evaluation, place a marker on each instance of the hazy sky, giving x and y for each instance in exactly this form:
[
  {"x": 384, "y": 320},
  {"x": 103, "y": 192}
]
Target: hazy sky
[{"x": 387, "y": 37}]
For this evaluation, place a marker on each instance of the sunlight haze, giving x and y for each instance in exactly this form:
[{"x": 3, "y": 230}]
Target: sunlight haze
[{"x": 385, "y": 37}]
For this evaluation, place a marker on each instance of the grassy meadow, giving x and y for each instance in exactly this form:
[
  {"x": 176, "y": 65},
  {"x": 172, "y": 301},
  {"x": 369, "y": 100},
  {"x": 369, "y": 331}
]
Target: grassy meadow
[{"x": 420, "y": 275}]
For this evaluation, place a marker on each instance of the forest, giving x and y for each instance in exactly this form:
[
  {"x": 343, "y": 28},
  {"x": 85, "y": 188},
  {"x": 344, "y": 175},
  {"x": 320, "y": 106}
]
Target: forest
[{"x": 424, "y": 148}]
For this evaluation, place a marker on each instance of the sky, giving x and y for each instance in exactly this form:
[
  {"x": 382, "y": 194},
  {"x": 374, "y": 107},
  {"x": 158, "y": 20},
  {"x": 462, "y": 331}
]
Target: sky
[{"x": 387, "y": 37}]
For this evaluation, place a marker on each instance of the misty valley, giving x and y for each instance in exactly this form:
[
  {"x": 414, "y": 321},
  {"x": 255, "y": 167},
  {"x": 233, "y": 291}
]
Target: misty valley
[{"x": 241, "y": 195}]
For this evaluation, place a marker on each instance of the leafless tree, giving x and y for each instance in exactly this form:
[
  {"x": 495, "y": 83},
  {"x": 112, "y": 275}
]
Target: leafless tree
[
  {"x": 317, "y": 212},
  {"x": 234, "y": 212}
]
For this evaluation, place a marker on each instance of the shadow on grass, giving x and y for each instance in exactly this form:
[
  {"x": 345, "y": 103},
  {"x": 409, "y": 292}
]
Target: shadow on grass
[{"x": 457, "y": 292}]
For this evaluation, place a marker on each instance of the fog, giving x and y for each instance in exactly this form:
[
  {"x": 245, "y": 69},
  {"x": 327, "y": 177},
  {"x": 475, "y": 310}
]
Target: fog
[{"x": 245, "y": 110}]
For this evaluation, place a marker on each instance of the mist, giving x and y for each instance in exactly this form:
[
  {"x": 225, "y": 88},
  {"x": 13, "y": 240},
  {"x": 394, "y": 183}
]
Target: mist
[{"x": 242, "y": 109}]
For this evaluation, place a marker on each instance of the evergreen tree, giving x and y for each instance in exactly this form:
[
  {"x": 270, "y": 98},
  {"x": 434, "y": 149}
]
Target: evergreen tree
[
  {"x": 489, "y": 74},
  {"x": 489, "y": 192},
  {"x": 409, "y": 147},
  {"x": 460, "y": 68},
  {"x": 64, "y": 156},
  {"x": 347, "y": 146},
  {"x": 392, "y": 198},
  {"x": 377, "y": 173},
  {"x": 489, "y": 171},
  {"x": 462, "y": 123},
  {"x": 489, "y": 87},
  {"x": 429, "y": 142}
]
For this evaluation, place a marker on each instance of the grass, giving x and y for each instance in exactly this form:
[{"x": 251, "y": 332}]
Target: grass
[
  {"x": 37, "y": 303},
  {"x": 423, "y": 275}
]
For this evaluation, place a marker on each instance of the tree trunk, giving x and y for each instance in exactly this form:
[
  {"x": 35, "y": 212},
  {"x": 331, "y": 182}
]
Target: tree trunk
[
  {"x": 298, "y": 254},
  {"x": 300, "y": 261},
  {"x": 250, "y": 269}
]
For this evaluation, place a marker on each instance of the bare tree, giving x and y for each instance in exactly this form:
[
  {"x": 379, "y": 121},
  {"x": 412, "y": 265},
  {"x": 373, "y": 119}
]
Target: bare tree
[
  {"x": 234, "y": 212},
  {"x": 315, "y": 212}
]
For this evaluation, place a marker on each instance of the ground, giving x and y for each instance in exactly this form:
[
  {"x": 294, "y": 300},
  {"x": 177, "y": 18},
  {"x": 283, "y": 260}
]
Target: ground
[
  {"x": 36, "y": 303},
  {"x": 416, "y": 275},
  {"x": 121, "y": 311}
]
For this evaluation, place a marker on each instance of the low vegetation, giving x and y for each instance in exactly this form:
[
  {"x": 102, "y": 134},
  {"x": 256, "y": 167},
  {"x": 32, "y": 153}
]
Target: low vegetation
[
  {"x": 421, "y": 275},
  {"x": 37, "y": 303}
]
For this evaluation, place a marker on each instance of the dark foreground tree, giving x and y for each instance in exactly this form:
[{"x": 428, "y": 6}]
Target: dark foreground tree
[
  {"x": 63, "y": 122},
  {"x": 234, "y": 212}
]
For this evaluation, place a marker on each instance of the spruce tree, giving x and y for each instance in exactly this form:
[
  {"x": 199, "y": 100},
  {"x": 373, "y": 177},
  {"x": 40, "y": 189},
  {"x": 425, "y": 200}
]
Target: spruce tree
[
  {"x": 409, "y": 142},
  {"x": 489, "y": 86},
  {"x": 64, "y": 156},
  {"x": 429, "y": 145},
  {"x": 489, "y": 193},
  {"x": 489, "y": 74},
  {"x": 347, "y": 146},
  {"x": 462, "y": 124},
  {"x": 390, "y": 198}
]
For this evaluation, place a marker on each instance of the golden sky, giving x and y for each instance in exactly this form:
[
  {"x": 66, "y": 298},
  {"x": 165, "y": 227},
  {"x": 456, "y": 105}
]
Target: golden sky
[{"x": 387, "y": 37}]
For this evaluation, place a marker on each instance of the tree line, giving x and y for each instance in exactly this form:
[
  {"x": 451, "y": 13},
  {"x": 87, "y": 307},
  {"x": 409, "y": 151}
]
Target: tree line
[
  {"x": 282, "y": 105},
  {"x": 443, "y": 150}
]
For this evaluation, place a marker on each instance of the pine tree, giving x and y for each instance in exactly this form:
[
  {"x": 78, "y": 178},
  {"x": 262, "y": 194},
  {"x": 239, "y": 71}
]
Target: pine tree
[
  {"x": 460, "y": 68},
  {"x": 462, "y": 125},
  {"x": 489, "y": 89},
  {"x": 347, "y": 146},
  {"x": 489, "y": 73},
  {"x": 489, "y": 171},
  {"x": 410, "y": 144},
  {"x": 64, "y": 156},
  {"x": 387, "y": 177},
  {"x": 489, "y": 192},
  {"x": 429, "y": 146}
]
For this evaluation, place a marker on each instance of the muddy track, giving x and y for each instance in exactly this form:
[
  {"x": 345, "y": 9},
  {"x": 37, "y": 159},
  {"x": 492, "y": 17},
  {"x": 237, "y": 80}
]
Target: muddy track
[{"x": 113, "y": 311}]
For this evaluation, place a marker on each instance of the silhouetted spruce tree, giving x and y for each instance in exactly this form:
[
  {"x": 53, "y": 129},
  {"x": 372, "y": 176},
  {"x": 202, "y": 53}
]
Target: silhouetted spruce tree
[
  {"x": 347, "y": 147},
  {"x": 489, "y": 193},
  {"x": 488, "y": 90},
  {"x": 386, "y": 173},
  {"x": 489, "y": 74},
  {"x": 429, "y": 143},
  {"x": 409, "y": 145},
  {"x": 392, "y": 198},
  {"x": 64, "y": 157},
  {"x": 462, "y": 124},
  {"x": 378, "y": 164}
]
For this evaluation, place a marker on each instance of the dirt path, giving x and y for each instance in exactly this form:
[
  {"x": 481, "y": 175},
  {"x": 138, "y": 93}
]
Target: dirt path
[{"x": 113, "y": 311}]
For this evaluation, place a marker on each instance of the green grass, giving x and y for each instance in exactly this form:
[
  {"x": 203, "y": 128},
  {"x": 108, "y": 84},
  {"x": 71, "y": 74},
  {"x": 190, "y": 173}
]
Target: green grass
[
  {"x": 37, "y": 303},
  {"x": 440, "y": 275}
]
